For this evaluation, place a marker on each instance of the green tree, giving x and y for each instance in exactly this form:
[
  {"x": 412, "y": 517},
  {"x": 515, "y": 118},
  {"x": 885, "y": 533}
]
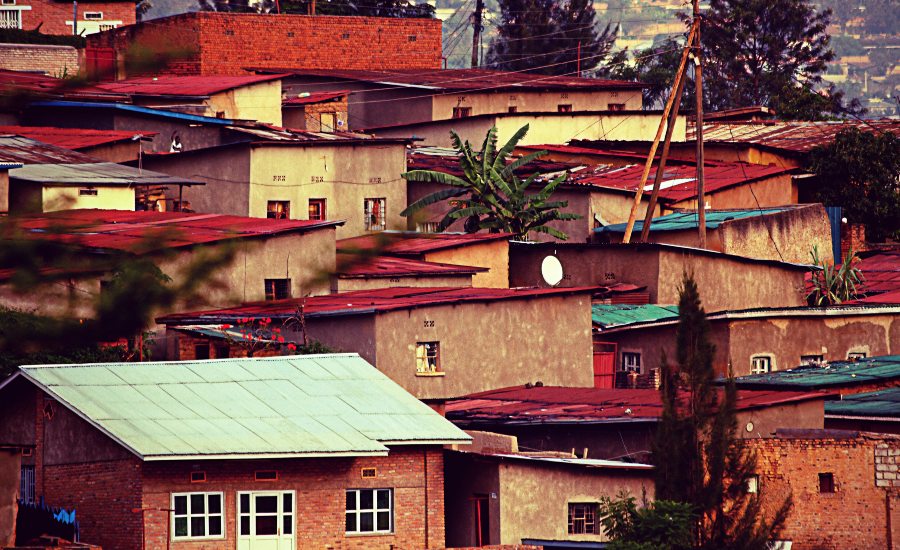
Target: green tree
[
  {"x": 547, "y": 37},
  {"x": 655, "y": 68},
  {"x": 860, "y": 172},
  {"x": 830, "y": 285},
  {"x": 367, "y": 8},
  {"x": 699, "y": 457},
  {"x": 658, "y": 525},
  {"x": 490, "y": 195}
]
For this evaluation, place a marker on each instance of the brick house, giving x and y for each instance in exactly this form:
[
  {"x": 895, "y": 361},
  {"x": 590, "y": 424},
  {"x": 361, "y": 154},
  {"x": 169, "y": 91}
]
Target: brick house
[
  {"x": 316, "y": 112},
  {"x": 55, "y": 17},
  {"x": 319, "y": 450}
]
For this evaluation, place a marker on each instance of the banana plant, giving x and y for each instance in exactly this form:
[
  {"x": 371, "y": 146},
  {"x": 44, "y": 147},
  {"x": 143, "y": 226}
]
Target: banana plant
[
  {"x": 830, "y": 285},
  {"x": 490, "y": 195}
]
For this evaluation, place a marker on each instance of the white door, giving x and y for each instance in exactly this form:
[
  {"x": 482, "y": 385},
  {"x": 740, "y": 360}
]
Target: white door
[{"x": 265, "y": 520}]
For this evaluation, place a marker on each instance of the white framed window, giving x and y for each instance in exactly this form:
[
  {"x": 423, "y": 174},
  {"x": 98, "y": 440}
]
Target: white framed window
[
  {"x": 370, "y": 511},
  {"x": 428, "y": 357},
  {"x": 753, "y": 484},
  {"x": 760, "y": 364},
  {"x": 373, "y": 210},
  {"x": 11, "y": 16},
  {"x": 197, "y": 516},
  {"x": 631, "y": 362},
  {"x": 856, "y": 355},
  {"x": 812, "y": 359},
  {"x": 266, "y": 514}
]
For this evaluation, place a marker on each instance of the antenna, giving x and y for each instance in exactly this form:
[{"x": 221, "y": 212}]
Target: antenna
[{"x": 551, "y": 270}]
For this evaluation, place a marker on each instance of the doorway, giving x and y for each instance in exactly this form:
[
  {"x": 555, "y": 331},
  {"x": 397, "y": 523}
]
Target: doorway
[{"x": 266, "y": 520}]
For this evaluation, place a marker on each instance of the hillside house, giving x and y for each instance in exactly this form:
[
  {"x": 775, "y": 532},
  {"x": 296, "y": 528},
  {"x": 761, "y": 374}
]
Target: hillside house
[
  {"x": 243, "y": 453},
  {"x": 422, "y": 338},
  {"x": 306, "y": 176},
  {"x": 390, "y": 97},
  {"x": 55, "y": 17}
]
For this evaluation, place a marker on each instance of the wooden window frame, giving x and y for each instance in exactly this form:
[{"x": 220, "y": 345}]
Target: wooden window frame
[
  {"x": 188, "y": 516},
  {"x": 624, "y": 367},
  {"x": 278, "y": 210},
  {"x": 374, "y": 213},
  {"x": 430, "y": 361},
  {"x": 767, "y": 359},
  {"x": 272, "y": 289},
  {"x": 587, "y": 517},
  {"x": 321, "y": 206}
]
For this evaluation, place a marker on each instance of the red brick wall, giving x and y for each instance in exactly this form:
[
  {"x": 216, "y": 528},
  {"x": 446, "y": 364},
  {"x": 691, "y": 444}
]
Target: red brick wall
[
  {"x": 226, "y": 43},
  {"x": 854, "y": 516},
  {"x": 320, "y": 486},
  {"x": 104, "y": 496},
  {"x": 54, "y": 14}
]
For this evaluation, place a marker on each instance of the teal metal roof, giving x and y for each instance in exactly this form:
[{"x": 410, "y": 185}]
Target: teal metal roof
[
  {"x": 838, "y": 373},
  {"x": 273, "y": 407},
  {"x": 616, "y": 315},
  {"x": 883, "y": 403},
  {"x": 680, "y": 221}
]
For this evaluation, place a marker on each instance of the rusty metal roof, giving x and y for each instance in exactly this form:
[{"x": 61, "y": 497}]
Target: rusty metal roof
[
  {"x": 797, "y": 137},
  {"x": 73, "y": 138},
  {"x": 414, "y": 244},
  {"x": 367, "y": 302},
  {"x": 149, "y": 231},
  {"x": 446, "y": 160},
  {"x": 39, "y": 85},
  {"x": 565, "y": 405},
  {"x": 354, "y": 266},
  {"x": 310, "y": 98},
  {"x": 29, "y": 151},
  {"x": 833, "y": 374},
  {"x": 183, "y": 86}
]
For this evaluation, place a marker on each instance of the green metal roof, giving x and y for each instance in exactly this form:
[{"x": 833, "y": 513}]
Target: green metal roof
[
  {"x": 838, "y": 373},
  {"x": 883, "y": 403},
  {"x": 615, "y": 315},
  {"x": 680, "y": 221},
  {"x": 273, "y": 407}
]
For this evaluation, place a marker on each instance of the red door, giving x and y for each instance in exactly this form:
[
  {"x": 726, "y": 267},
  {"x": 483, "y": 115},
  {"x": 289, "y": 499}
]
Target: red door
[{"x": 604, "y": 365}]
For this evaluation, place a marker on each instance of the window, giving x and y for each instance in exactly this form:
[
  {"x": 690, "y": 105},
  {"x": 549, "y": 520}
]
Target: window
[
  {"x": 753, "y": 484},
  {"x": 369, "y": 511},
  {"x": 856, "y": 355},
  {"x": 26, "y": 483},
  {"x": 266, "y": 514},
  {"x": 512, "y": 109},
  {"x": 87, "y": 193},
  {"x": 197, "y": 516},
  {"x": 327, "y": 122},
  {"x": 583, "y": 519},
  {"x": 93, "y": 16},
  {"x": 812, "y": 359},
  {"x": 201, "y": 351},
  {"x": 428, "y": 357},
  {"x": 631, "y": 362},
  {"x": 278, "y": 210},
  {"x": 198, "y": 477},
  {"x": 266, "y": 475},
  {"x": 10, "y": 18},
  {"x": 826, "y": 482},
  {"x": 616, "y": 106},
  {"x": 462, "y": 112},
  {"x": 223, "y": 351},
  {"x": 374, "y": 214},
  {"x": 428, "y": 227},
  {"x": 368, "y": 472},
  {"x": 564, "y": 108},
  {"x": 317, "y": 209},
  {"x": 760, "y": 364},
  {"x": 278, "y": 289}
]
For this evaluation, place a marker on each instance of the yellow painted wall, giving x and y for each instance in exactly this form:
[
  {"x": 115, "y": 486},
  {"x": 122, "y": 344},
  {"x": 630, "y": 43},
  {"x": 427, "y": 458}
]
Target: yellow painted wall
[
  {"x": 614, "y": 207},
  {"x": 343, "y": 175},
  {"x": 490, "y": 345},
  {"x": 491, "y": 102},
  {"x": 67, "y": 198},
  {"x": 260, "y": 102},
  {"x": 493, "y": 255},
  {"x": 776, "y": 191}
]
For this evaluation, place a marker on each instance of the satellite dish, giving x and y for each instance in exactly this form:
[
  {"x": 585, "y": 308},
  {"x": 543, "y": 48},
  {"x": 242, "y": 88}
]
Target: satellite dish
[{"x": 551, "y": 270}]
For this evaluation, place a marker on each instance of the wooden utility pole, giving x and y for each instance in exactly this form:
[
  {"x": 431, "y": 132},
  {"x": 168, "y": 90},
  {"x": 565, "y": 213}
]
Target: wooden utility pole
[
  {"x": 476, "y": 31},
  {"x": 698, "y": 86},
  {"x": 679, "y": 75}
]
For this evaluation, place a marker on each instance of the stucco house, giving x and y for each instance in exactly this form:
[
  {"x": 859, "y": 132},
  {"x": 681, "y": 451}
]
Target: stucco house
[
  {"x": 312, "y": 176},
  {"x": 285, "y": 452},
  {"x": 422, "y": 338}
]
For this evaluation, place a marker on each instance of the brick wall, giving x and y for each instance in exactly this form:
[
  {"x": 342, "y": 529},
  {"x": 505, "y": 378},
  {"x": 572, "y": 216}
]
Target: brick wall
[
  {"x": 857, "y": 514},
  {"x": 853, "y": 235},
  {"x": 52, "y": 15},
  {"x": 211, "y": 43},
  {"x": 320, "y": 486},
  {"x": 187, "y": 348},
  {"x": 50, "y": 60}
]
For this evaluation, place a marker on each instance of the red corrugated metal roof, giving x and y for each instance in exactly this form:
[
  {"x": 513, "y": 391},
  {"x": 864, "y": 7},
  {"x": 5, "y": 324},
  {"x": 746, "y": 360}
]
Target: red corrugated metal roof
[
  {"x": 351, "y": 266},
  {"x": 28, "y": 151},
  {"x": 575, "y": 150},
  {"x": 315, "y": 97},
  {"x": 881, "y": 271},
  {"x": 554, "y": 404},
  {"x": 888, "y": 298},
  {"x": 679, "y": 182},
  {"x": 141, "y": 232},
  {"x": 365, "y": 302},
  {"x": 450, "y": 164},
  {"x": 466, "y": 79},
  {"x": 183, "y": 85},
  {"x": 72, "y": 138},
  {"x": 402, "y": 243},
  {"x": 39, "y": 84},
  {"x": 795, "y": 136}
]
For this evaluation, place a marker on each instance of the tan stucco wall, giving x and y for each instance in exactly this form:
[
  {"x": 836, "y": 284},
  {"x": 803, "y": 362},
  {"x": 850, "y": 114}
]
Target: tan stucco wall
[
  {"x": 490, "y": 345},
  {"x": 67, "y": 198},
  {"x": 4, "y": 191},
  {"x": 225, "y": 170},
  {"x": 348, "y": 285},
  {"x": 529, "y": 102},
  {"x": 115, "y": 152},
  {"x": 534, "y": 500},
  {"x": 493, "y": 255},
  {"x": 775, "y": 191},
  {"x": 10, "y": 461},
  {"x": 807, "y": 415},
  {"x": 260, "y": 102},
  {"x": 349, "y": 175},
  {"x": 615, "y": 207}
]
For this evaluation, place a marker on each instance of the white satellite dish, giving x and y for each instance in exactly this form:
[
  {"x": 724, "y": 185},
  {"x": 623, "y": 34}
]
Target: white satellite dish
[{"x": 551, "y": 270}]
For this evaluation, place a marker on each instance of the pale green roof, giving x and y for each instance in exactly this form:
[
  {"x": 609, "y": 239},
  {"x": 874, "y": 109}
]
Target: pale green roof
[{"x": 310, "y": 405}]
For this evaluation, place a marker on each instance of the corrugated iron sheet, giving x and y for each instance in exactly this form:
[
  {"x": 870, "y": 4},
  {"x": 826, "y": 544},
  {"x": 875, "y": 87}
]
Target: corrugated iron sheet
[
  {"x": 189, "y": 86},
  {"x": 794, "y": 137},
  {"x": 357, "y": 266},
  {"x": 244, "y": 408},
  {"x": 28, "y": 151},
  {"x": 430, "y": 158},
  {"x": 882, "y": 403},
  {"x": 612, "y": 315},
  {"x": 316, "y": 97},
  {"x": 837, "y": 373},
  {"x": 681, "y": 221},
  {"x": 95, "y": 174},
  {"x": 409, "y": 243},
  {"x": 72, "y": 138}
]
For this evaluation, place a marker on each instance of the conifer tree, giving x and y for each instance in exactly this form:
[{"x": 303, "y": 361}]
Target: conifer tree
[{"x": 699, "y": 457}]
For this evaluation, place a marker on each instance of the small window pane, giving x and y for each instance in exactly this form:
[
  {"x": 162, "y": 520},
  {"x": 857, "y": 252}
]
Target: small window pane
[
  {"x": 180, "y": 506},
  {"x": 287, "y": 525},
  {"x": 266, "y": 525},
  {"x": 351, "y": 500},
  {"x": 351, "y": 522},
  {"x": 266, "y": 504},
  {"x": 384, "y": 498},
  {"x": 215, "y": 504},
  {"x": 245, "y": 525},
  {"x": 245, "y": 503},
  {"x": 181, "y": 527},
  {"x": 198, "y": 526},
  {"x": 198, "y": 504},
  {"x": 384, "y": 521},
  {"x": 366, "y": 521},
  {"x": 215, "y": 525},
  {"x": 365, "y": 500},
  {"x": 288, "y": 503}
]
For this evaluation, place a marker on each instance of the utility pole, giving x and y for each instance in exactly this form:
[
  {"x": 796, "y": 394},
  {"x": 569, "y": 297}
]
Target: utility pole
[
  {"x": 698, "y": 87},
  {"x": 476, "y": 31}
]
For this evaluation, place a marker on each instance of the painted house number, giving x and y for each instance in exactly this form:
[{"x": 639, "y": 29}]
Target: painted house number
[
  {"x": 609, "y": 276},
  {"x": 317, "y": 179},
  {"x": 279, "y": 178},
  {"x": 429, "y": 324}
]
